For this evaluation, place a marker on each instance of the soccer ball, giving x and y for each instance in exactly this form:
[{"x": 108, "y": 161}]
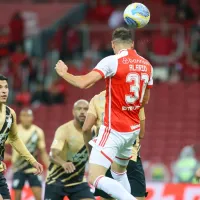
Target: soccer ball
[{"x": 136, "y": 15}]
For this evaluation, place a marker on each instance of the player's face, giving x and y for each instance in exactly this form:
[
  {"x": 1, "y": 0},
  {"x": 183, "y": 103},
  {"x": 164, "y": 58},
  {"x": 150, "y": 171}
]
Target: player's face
[
  {"x": 80, "y": 111},
  {"x": 3, "y": 91},
  {"x": 26, "y": 118}
]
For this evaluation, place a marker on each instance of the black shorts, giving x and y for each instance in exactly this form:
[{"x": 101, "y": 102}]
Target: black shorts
[
  {"x": 136, "y": 177},
  {"x": 4, "y": 191},
  {"x": 19, "y": 179},
  {"x": 76, "y": 192}
]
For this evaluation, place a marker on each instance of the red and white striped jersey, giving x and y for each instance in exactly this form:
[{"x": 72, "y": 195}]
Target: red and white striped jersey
[{"x": 127, "y": 76}]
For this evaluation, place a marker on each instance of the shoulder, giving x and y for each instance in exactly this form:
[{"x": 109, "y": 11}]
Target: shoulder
[
  {"x": 98, "y": 97},
  {"x": 62, "y": 131},
  {"x": 38, "y": 129},
  {"x": 102, "y": 94},
  {"x": 65, "y": 126},
  {"x": 109, "y": 60},
  {"x": 11, "y": 111}
]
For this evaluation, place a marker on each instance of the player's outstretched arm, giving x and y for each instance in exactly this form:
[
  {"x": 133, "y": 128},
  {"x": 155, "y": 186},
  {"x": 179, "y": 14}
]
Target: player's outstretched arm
[
  {"x": 82, "y": 82},
  {"x": 56, "y": 149},
  {"x": 19, "y": 146}
]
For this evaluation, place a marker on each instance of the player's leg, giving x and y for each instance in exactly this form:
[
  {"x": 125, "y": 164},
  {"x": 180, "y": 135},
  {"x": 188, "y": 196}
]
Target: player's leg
[
  {"x": 53, "y": 192},
  {"x": 102, "y": 155},
  {"x": 37, "y": 192},
  {"x": 121, "y": 160},
  {"x": 4, "y": 191},
  {"x": 36, "y": 185},
  {"x": 136, "y": 178},
  {"x": 118, "y": 172},
  {"x": 102, "y": 194},
  {"x": 19, "y": 179}
]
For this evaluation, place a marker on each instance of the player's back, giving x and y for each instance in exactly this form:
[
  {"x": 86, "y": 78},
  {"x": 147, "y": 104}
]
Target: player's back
[{"x": 125, "y": 91}]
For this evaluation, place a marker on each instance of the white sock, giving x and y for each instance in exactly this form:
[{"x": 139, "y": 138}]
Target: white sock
[
  {"x": 123, "y": 179},
  {"x": 112, "y": 188}
]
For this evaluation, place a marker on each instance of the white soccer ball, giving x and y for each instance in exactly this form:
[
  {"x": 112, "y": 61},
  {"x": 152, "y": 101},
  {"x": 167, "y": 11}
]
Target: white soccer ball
[{"x": 136, "y": 15}]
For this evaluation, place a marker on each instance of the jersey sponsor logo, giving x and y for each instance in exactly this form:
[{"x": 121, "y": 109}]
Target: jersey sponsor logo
[
  {"x": 83, "y": 156},
  {"x": 129, "y": 60},
  {"x": 135, "y": 126},
  {"x": 130, "y": 108}
]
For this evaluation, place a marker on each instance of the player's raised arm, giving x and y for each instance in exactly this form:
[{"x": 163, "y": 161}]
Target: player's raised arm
[
  {"x": 105, "y": 68},
  {"x": 19, "y": 146},
  {"x": 90, "y": 121},
  {"x": 84, "y": 81},
  {"x": 56, "y": 149}
]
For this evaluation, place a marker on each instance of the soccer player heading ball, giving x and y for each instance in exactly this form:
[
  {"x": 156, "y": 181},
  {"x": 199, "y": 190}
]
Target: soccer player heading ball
[{"x": 128, "y": 79}]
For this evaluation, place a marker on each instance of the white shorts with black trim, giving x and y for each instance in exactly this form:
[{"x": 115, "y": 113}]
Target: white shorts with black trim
[{"x": 111, "y": 145}]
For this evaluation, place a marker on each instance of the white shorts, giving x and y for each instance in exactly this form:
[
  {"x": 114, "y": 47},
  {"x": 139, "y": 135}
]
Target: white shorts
[{"x": 111, "y": 145}]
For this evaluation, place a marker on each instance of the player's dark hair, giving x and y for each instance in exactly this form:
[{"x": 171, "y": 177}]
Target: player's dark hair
[
  {"x": 3, "y": 78},
  {"x": 122, "y": 35}
]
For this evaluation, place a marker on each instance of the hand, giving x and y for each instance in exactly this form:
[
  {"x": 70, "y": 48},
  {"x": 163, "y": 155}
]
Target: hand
[
  {"x": 61, "y": 68},
  {"x": 38, "y": 167},
  {"x": 197, "y": 174},
  {"x": 68, "y": 167}
]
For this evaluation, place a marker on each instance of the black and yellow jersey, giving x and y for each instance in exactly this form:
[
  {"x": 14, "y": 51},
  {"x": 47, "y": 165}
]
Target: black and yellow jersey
[
  {"x": 72, "y": 150},
  {"x": 33, "y": 138},
  {"x": 5, "y": 124}
]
